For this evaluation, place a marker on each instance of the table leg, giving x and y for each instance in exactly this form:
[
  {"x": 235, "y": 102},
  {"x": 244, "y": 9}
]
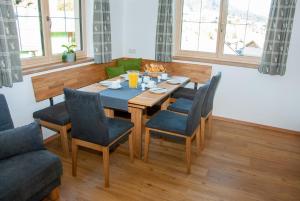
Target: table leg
[
  {"x": 137, "y": 119},
  {"x": 109, "y": 112}
]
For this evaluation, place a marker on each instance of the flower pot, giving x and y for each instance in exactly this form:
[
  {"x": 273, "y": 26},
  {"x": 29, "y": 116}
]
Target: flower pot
[{"x": 69, "y": 57}]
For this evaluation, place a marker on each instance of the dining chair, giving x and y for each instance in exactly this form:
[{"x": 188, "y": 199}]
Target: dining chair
[
  {"x": 178, "y": 125},
  {"x": 183, "y": 105},
  {"x": 92, "y": 129}
]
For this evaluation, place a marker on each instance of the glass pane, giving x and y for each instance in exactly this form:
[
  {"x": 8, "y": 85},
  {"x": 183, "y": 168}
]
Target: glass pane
[
  {"x": 200, "y": 25},
  {"x": 189, "y": 36},
  {"x": 246, "y": 27},
  {"x": 29, "y": 28},
  {"x": 208, "y": 37},
  {"x": 73, "y": 32},
  {"x": 234, "y": 40},
  {"x": 191, "y": 10},
  {"x": 26, "y": 7},
  {"x": 59, "y": 35},
  {"x": 57, "y": 8},
  {"x": 66, "y": 24}
]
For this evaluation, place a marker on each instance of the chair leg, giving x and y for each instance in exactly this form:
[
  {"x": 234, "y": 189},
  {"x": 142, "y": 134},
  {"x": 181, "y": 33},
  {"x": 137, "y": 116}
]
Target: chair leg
[
  {"x": 74, "y": 157},
  {"x": 198, "y": 139},
  {"x": 64, "y": 140},
  {"x": 202, "y": 132},
  {"x": 147, "y": 142},
  {"x": 130, "y": 143},
  {"x": 54, "y": 194},
  {"x": 188, "y": 151},
  {"x": 106, "y": 166},
  {"x": 209, "y": 127}
]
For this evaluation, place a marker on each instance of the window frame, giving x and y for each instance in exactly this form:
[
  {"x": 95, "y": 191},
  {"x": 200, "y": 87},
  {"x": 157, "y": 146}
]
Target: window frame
[
  {"x": 48, "y": 57},
  {"x": 218, "y": 57}
]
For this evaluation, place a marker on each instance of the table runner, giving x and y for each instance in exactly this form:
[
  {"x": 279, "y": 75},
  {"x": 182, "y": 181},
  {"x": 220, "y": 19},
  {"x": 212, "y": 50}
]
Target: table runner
[{"x": 118, "y": 98}]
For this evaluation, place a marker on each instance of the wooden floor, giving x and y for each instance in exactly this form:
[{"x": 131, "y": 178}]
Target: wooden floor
[{"x": 239, "y": 163}]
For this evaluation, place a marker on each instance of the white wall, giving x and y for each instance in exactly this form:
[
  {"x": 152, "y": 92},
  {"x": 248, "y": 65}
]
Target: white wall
[{"x": 243, "y": 94}]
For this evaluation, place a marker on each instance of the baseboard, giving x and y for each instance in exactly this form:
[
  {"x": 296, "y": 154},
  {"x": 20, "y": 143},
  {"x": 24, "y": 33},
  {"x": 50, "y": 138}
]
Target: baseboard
[{"x": 287, "y": 131}]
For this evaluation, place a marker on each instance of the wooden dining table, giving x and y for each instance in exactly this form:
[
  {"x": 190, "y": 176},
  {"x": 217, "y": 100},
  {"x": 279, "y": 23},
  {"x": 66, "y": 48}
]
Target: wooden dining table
[{"x": 138, "y": 105}]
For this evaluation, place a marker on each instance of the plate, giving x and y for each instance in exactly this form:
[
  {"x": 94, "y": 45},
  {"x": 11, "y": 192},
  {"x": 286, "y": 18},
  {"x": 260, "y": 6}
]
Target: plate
[
  {"x": 174, "y": 81},
  {"x": 105, "y": 83},
  {"x": 158, "y": 90},
  {"x": 115, "y": 87},
  {"x": 125, "y": 76}
]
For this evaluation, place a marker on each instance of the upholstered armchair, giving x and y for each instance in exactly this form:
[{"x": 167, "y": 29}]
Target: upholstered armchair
[{"x": 28, "y": 172}]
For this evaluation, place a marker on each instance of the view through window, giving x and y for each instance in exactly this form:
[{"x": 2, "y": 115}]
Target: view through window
[
  {"x": 62, "y": 26},
  {"x": 224, "y": 27}
]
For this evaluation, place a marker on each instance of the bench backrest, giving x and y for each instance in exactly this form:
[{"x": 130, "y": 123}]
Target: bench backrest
[
  {"x": 49, "y": 85},
  {"x": 198, "y": 73}
]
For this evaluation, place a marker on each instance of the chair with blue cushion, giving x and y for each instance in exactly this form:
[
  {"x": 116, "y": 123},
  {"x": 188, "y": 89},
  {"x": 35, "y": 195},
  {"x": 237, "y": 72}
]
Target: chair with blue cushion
[
  {"x": 28, "y": 172},
  {"x": 178, "y": 125},
  {"x": 183, "y": 105},
  {"x": 92, "y": 129},
  {"x": 56, "y": 118}
]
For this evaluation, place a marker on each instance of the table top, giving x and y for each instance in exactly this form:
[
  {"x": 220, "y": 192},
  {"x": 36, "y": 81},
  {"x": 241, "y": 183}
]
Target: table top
[{"x": 146, "y": 98}]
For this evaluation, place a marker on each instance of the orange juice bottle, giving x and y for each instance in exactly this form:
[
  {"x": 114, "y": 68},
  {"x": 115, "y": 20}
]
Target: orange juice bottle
[{"x": 133, "y": 77}]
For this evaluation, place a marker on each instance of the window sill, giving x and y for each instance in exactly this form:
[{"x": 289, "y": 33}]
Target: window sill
[
  {"x": 218, "y": 61},
  {"x": 52, "y": 66}
]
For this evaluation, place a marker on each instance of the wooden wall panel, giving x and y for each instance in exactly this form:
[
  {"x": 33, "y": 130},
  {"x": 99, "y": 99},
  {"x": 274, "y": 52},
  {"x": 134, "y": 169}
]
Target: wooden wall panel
[{"x": 52, "y": 84}]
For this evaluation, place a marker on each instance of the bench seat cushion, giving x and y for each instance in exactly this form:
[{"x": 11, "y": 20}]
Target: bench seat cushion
[
  {"x": 25, "y": 176},
  {"x": 182, "y": 92},
  {"x": 168, "y": 121},
  {"x": 56, "y": 114},
  {"x": 181, "y": 105}
]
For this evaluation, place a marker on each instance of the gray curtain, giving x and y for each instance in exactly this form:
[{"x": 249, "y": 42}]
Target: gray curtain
[
  {"x": 278, "y": 36},
  {"x": 164, "y": 31},
  {"x": 102, "y": 31},
  {"x": 10, "y": 63}
]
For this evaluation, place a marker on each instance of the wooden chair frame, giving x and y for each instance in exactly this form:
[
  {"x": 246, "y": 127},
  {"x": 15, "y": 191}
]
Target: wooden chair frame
[
  {"x": 62, "y": 131},
  {"x": 188, "y": 143},
  {"x": 105, "y": 151}
]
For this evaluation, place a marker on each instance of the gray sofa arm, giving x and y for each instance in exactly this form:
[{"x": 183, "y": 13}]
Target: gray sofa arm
[{"x": 20, "y": 140}]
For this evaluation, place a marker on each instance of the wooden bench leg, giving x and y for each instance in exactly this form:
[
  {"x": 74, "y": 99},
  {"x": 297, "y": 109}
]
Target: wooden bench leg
[
  {"x": 106, "y": 166},
  {"x": 64, "y": 140},
  {"x": 54, "y": 194}
]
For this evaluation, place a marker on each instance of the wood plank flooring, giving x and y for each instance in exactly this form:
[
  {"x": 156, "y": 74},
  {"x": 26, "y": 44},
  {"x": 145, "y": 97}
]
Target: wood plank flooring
[{"x": 239, "y": 163}]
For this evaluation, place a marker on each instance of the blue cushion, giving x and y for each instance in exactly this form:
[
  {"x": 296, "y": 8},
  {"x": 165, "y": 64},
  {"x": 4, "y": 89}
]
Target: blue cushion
[
  {"x": 56, "y": 114},
  {"x": 5, "y": 118},
  {"x": 181, "y": 105},
  {"x": 24, "y": 176},
  {"x": 20, "y": 140},
  {"x": 182, "y": 92},
  {"x": 169, "y": 121},
  {"x": 117, "y": 127}
]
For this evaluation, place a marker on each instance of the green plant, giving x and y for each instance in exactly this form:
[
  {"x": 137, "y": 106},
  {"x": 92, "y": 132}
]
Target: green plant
[{"x": 69, "y": 48}]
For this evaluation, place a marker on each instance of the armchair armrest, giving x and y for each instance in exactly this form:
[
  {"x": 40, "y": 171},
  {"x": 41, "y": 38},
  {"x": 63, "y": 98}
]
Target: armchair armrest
[{"x": 20, "y": 140}]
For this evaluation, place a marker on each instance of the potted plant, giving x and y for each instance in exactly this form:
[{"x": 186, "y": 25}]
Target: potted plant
[{"x": 69, "y": 55}]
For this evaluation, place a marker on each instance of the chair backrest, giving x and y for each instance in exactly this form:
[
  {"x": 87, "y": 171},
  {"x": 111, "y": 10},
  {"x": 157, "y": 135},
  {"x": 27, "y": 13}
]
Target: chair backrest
[
  {"x": 194, "y": 115},
  {"x": 89, "y": 122},
  {"x": 209, "y": 99},
  {"x": 5, "y": 118}
]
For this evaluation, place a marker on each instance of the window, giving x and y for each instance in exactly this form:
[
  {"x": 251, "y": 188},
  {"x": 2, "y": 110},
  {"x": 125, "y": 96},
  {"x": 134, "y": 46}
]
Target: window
[
  {"x": 222, "y": 30},
  {"x": 45, "y": 25}
]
